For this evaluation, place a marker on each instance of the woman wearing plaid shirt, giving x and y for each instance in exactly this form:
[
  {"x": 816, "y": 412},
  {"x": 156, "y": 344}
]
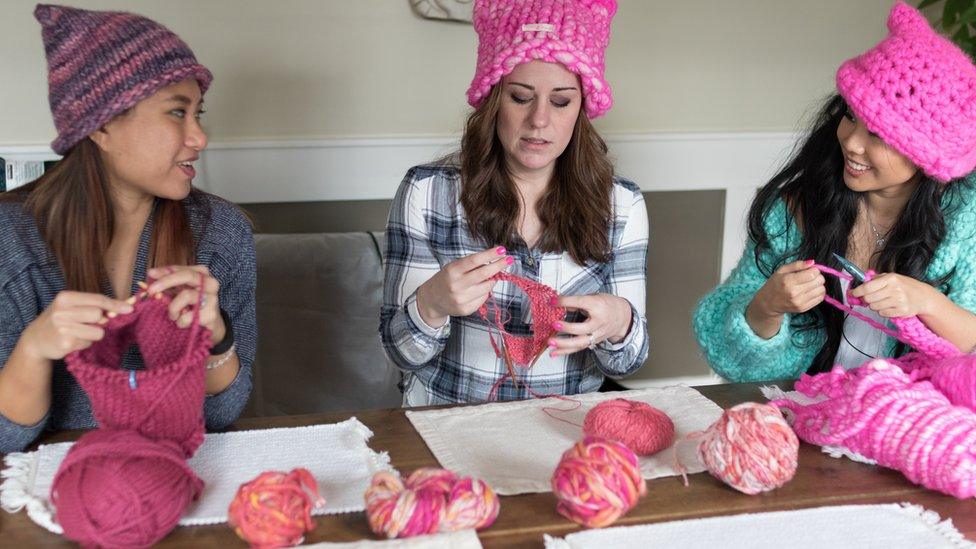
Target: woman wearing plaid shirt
[{"x": 531, "y": 191}]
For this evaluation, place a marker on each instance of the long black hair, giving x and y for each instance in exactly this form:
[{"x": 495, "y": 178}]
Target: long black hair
[{"x": 812, "y": 186}]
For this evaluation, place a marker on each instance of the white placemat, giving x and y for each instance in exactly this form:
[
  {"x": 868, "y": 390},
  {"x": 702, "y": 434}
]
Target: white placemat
[
  {"x": 465, "y": 539},
  {"x": 515, "y": 446},
  {"x": 336, "y": 454},
  {"x": 889, "y": 526}
]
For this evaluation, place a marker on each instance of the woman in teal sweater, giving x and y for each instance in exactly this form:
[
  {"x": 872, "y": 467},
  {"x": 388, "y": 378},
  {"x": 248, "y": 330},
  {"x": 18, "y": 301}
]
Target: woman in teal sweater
[{"x": 884, "y": 179}]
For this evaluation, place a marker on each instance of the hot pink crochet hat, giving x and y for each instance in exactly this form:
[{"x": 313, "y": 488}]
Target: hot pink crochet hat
[
  {"x": 574, "y": 33},
  {"x": 917, "y": 91}
]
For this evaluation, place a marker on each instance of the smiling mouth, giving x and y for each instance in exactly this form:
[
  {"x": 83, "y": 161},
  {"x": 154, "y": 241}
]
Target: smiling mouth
[{"x": 856, "y": 167}]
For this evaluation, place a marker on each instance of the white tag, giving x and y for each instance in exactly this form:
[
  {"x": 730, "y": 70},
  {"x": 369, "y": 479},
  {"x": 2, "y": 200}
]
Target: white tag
[
  {"x": 21, "y": 172},
  {"x": 538, "y": 27}
]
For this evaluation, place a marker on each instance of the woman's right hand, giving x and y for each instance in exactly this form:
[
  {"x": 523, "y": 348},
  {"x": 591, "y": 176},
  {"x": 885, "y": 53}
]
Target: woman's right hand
[
  {"x": 794, "y": 288},
  {"x": 69, "y": 324},
  {"x": 461, "y": 286}
]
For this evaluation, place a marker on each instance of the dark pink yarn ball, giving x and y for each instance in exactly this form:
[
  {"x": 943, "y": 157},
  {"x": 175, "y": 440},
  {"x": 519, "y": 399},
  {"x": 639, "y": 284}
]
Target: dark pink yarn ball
[
  {"x": 637, "y": 425},
  {"x": 116, "y": 488}
]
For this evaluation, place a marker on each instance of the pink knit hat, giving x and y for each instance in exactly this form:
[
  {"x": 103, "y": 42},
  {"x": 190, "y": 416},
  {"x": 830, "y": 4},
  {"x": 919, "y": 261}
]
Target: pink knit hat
[
  {"x": 574, "y": 33},
  {"x": 917, "y": 91}
]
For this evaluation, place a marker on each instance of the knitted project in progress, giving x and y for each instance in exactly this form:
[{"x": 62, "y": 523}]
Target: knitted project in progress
[
  {"x": 523, "y": 350},
  {"x": 101, "y": 63},
  {"x": 127, "y": 483},
  {"x": 573, "y": 33},
  {"x": 885, "y": 413},
  {"x": 917, "y": 90}
]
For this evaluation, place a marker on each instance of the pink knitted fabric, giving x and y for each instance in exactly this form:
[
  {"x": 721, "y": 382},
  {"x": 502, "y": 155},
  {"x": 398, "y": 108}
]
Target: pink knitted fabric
[
  {"x": 879, "y": 412},
  {"x": 523, "y": 350},
  {"x": 934, "y": 359},
  {"x": 917, "y": 91},
  {"x": 574, "y": 33},
  {"x": 167, "y": 401}
]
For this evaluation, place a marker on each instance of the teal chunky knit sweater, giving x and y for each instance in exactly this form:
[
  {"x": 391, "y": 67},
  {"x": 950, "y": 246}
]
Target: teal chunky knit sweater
[{"x": 736, "y": 353}]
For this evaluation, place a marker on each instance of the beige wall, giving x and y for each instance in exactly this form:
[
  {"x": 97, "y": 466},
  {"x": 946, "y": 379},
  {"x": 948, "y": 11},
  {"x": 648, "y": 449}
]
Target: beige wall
[{"x": 328, "y": 68}]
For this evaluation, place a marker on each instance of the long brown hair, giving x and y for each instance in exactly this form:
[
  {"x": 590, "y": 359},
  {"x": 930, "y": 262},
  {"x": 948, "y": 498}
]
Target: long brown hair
[
  {"x": 575, "y": 209},
  {"x": 72, "y": 205}
]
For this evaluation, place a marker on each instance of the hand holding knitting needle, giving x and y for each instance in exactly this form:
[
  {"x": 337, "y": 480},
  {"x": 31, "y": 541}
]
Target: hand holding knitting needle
[
  {"x": 608, "y": 317},
  {"x": 188, "y": 283},
  {"x": 461, "y": 286},
  {"x": 70, "y": 323}
]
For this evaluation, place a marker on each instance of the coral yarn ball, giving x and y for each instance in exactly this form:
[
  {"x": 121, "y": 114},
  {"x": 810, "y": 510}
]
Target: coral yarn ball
[
  {"x": 751, "y": 448},
  {"x": 275, "y": 508},
  {"x": 638, "y": 425},
  {"x": 116, "y": 488},
  {"x": 597, "y": 481},
  {"x": 430, "y": 500}
]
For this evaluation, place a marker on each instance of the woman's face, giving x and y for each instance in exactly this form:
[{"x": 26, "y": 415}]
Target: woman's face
[
  {"x": 151, "y": 148},
  {"x": 539, "y": 107},
  {"x": 869, "y": 163}
]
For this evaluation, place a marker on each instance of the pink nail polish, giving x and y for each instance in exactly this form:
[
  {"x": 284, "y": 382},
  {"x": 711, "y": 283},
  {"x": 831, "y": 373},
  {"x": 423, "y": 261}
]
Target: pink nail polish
[
  {"x": 810, "y": 262},
  {"x": 557, "y": 325},
  {"x": 509, "y": 260},
  {"x": 552, "y": 343},
  {"x": 552, "y": 354},
  {"x": 553, "y": 301},
  {"x": 501, "y": 250}
]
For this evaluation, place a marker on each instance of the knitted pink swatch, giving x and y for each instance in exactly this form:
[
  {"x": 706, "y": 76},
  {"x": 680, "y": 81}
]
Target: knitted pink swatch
[
  {"x": 523, "y": 350},
  {"x": 917, "y": 90},
  {"x": 573, "y": 33},
  {"x": 167, "y": 401}
]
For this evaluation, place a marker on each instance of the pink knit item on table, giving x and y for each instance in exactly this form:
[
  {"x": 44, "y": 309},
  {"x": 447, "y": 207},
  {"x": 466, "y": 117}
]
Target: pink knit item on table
[
  {"x": 524, "y": 350},
  {"x": 127, "y": 483},
  {"x": 573, "y": 33},
  {"x": 638, "y": 425},
  {"x": 879, "y": 412},
  {"x": 916, "y": 90},
  {"x": 430, "y": 500}
]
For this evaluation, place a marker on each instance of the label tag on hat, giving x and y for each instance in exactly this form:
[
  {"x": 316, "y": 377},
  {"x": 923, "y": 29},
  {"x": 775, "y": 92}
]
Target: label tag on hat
[{"x": 538, "y": 27}]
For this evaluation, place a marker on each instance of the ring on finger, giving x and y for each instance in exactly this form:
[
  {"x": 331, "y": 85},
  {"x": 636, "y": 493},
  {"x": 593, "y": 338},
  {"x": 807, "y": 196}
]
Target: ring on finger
[{"x": 592, "y": 342}]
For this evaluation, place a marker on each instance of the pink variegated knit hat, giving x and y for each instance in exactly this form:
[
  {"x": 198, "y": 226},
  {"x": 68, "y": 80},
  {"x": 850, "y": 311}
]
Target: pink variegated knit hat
[
  {"x": 917, "y": 91},
  {"x": 101, "y": 63},
  {"x": 574, "y": 33}
]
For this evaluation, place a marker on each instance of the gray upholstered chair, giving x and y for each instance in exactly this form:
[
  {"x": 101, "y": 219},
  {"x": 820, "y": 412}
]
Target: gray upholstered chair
[{"x": 318, "y": 306}]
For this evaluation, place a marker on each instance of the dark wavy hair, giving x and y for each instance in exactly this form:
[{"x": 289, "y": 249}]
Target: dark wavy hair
[{"x": 812, "y": 186}]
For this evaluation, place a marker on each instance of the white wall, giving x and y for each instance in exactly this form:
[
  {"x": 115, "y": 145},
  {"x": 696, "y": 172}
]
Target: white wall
[{"x": 298, "y": 69}]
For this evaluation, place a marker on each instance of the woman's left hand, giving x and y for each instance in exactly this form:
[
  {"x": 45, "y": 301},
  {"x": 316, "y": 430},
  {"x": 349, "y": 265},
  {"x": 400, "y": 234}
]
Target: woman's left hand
[
  {"x": 189, "y": 282},
  {"x": 894, "y": 295},
  {"x": 608, "y": 317}
]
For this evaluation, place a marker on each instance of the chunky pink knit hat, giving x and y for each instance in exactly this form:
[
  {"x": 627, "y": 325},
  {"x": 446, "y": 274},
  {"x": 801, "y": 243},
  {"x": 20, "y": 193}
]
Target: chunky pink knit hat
[
  {"x": 100, "y": 63},
  {"x": 574, "y": 33},
  {"x": 917, "y": 91}
]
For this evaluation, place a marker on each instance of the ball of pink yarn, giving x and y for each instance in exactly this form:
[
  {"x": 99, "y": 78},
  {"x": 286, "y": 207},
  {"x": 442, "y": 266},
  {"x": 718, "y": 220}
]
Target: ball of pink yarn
[
  {"x": 275, "y": 508},
  {"x": 597, "y": 481},
  {"x": 430, "y": 500},
  {"x": 751, "y": 448},
  {"x": 638, "y": 425},
  {"x": 116, "y": 488}
]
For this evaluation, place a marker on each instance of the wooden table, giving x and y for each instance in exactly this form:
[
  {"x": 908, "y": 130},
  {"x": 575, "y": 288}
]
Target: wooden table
[{"x": 820, "y": 481}]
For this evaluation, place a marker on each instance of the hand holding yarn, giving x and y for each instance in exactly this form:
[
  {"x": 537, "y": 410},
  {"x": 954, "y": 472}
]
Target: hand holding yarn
[
  {"x": 638, "y": 425},
  {"x": 597, "y": 481},
  {"x": 461, "y": 286},
  {"x": 70, "y": 323},
  {"x": 188, "y": 282},
  {"x": 430, "y": 500},
  {"x": 893, "y": 295},
  {"x": 608, "y": 317},
  {"x": 751, "y": 448},
  {"x": 794, "y": 288},
  {"x": 275, "y": 509}
]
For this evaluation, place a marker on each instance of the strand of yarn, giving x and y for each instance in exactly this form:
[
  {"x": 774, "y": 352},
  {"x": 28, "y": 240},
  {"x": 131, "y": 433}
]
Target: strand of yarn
[
  {"x": 429, "y": 501},
  {"x": 275, "y": 508},
  {"x": 637, "y": 425},
  {"x": 751, "y": 448},
  {"x": 879, "y": 412},
  {"x": 597, "y": 481},
  {"x": 116, "y": 488}
]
